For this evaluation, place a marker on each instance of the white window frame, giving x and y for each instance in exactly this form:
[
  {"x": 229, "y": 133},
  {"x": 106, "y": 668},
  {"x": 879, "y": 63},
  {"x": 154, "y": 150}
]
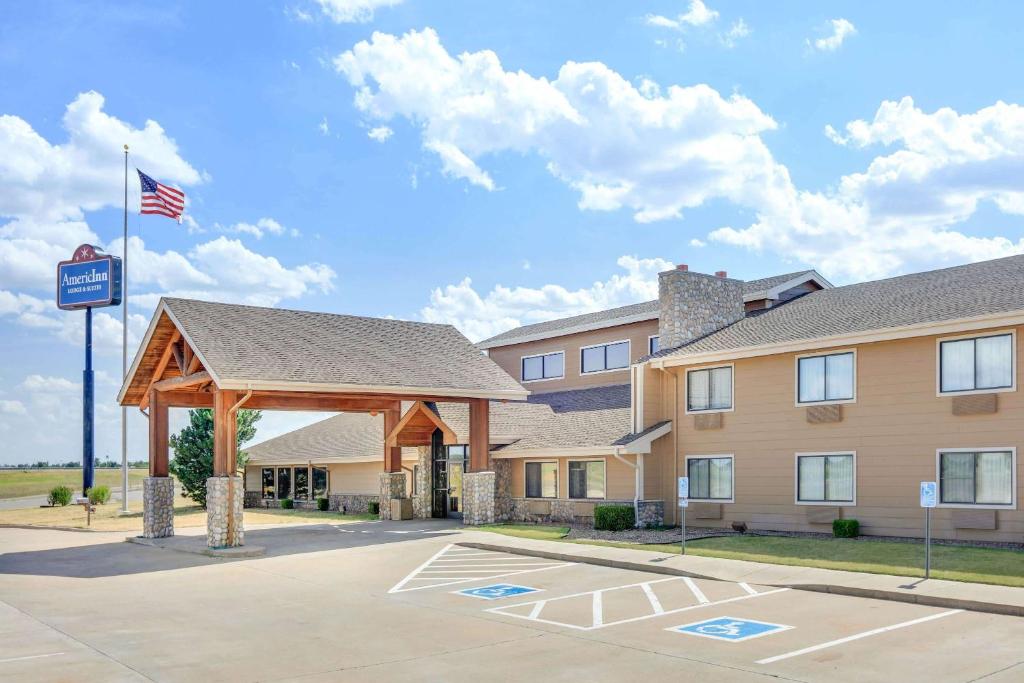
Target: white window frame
[
  {"x": 732, "y": 390},
  {"x": 541, "y": 355},
  {"x": 832, "y": 503},
  {"x": 731, "y": 456},
  {"x": 828, "y": 402},
  {"x": 558, "y": 478},
  {"x": 977, "y": 335},
  {"x": 568, "y": 489},
  {"x": 978, "y": 506},
  {"x": 649, "y": 338},
  {"x": 629, "y": 357}
]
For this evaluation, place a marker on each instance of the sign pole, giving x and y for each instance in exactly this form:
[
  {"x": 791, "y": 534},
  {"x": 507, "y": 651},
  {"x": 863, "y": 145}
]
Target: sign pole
[
  {"x": 87, "y": 408},
  {"x": 124, "y": 342},
  {"x": 927, "y": 542},
  {"x": 683, "y": 549}
]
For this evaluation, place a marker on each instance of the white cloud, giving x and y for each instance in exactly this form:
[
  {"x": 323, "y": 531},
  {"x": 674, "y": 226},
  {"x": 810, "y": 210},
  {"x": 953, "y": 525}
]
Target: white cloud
[
  {"x": 380, "y": 133},
  {"x": 324, "y": 127},
  {"x": 697, "y": 243},
  {"x": 263, "y": 226},
  {"x": 353, "y": 11},
  {"x": 12, "y": 407},
  {"x": 841, "y": 30},
  {"x": 479, "y": 316},
  {"x": 698, "y": 14},
  {"x": 737, "y": 31}
]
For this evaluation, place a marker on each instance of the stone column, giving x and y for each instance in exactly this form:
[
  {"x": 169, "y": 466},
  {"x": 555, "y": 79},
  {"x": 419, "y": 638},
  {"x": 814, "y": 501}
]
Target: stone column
[
  {"x": 224, "y": 499},
  {"x": 502, "y": 490},
  {"x": 392, "y": 485},
  {"x": 478, "y": 496},
  {"x": 157, "y": 507},
  {"x": 422, "y": 502}
]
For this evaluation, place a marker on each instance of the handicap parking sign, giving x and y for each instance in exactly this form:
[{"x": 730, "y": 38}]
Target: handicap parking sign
[
  {"x": 730, "y": 629},
  {"x": 497, "y": 591}
]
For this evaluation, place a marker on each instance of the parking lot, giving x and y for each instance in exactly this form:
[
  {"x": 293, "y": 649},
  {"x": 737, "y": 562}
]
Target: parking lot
[{"x": 384, "y": 601}]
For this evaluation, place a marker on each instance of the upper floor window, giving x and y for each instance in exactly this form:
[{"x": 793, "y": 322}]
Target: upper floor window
[
  {"x": 976, "y": 364},
  {"x": 983, "y": 478},
  {"x": 829, "y": 377},
  {"x": 653, "y": 344},
  {"x": 601, "y": 357},
  {"x": 586, "y": 479},
  {"x": 709, "y": 389},
  {"x": 545, "y": 366}
]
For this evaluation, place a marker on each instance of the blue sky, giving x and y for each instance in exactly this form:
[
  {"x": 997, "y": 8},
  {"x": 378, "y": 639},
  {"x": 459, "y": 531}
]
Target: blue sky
[{"x": 485, "y": 164}]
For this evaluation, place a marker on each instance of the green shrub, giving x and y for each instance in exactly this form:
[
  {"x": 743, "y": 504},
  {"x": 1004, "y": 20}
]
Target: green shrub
[
  {"x": 99, "y": 495},
  {"x": 614, "y": 517},
  {"x": 60, "y": 495},
  {"x": 845, "y": 528},
  {"x": 287, "y": 504},
  {"x": 323, "y": 504},
  {"x": 373, "y": 507}
]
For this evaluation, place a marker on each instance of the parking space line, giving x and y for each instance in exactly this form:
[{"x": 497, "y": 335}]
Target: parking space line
[
  {"x": 652, "y": 598},
  {"x": 455, "y": 569},
  {"x": 535, "y": 612},
  {"x": 697, "y": 592},
  {"x": 21, "y": 659},
  {"x": 747, "y": 587},
  {"x": 858, "y": 636},
  {"x": 598, "y": 611}
]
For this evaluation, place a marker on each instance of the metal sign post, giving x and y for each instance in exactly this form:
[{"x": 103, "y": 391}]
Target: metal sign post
[
  {"x": 929, "y": 499},
  {"x": 683, "y": 494}
]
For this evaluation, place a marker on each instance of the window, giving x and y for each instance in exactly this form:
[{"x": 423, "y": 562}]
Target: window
[
  {"x": 541, "y": 480},
  {"x": 284, "y": 482},
  {"x": 976, "y": 364},
  {"x": 710, "y": 478},
  {"x": 709, "y": 389},
  {"x": 825, "y": 478},
  {"x": 319, "y": 482},
  {"x": 586, "y": 479},
  {"x": 976, "y": 477},
  {"x": 825, "y": 378},
  {"x": 547, "y": 366},
  {"x": 603, "y": 357},
  {"x": 301, "y": 483},
  {"x": 653, "y": 344},
  {"x": 268, "y": 482}
]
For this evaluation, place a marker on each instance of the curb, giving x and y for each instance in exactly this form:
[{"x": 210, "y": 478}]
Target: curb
[
  {"x": 851, "y": 591},
  {"x": 47, "y": 528},
  {"x": 241, "y": 552}
]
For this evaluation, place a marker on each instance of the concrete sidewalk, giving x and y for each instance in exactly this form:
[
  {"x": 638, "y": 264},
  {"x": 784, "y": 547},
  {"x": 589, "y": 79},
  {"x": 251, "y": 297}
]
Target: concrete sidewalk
[{"x": 934, "y": 592}]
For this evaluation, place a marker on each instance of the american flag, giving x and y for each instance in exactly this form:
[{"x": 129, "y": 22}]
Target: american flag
[{"x": 161, "y": 199}]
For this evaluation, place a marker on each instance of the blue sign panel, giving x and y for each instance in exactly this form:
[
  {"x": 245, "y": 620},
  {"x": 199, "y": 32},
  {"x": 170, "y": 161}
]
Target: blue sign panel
[
  {"x": 929, "y": 494},
  {"x": 88, "y": 280},
  {"x": 497, "y": 591},
  {"x": 730, "y": 629}
]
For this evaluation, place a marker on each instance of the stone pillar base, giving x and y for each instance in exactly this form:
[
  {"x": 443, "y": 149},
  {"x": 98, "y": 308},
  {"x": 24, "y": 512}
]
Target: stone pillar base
[
  {"x": 224, "y": 499},
  {"x": 157, "y": 507},
  {"x": 392, "y": 485},
  {"x": 423, "y": 500},
  {"x": 478, "y": 498}
]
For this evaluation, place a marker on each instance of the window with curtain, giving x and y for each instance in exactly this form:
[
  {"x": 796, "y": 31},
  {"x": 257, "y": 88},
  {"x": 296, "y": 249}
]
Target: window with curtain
[
  {"x": 586, "y": 479},
  {"x": 976, "y": 364},
  {"x": 825, "y": 478},
  {"x": 709, "y": 389},
  {"x": 284, "y": 482},
  {"x": 319, "y": 482},
  {"x": 976, "y": 478},
  {"x": 541, "y": 480},
  {"x": 825, "y": 378},
  {"x": 268, "y": 482},
  {"x": 546, "y": 366},
  {"x": 710, "y": 478},
  {"x": 301, "y": 483},
  {"x": 604, "y": 357}
]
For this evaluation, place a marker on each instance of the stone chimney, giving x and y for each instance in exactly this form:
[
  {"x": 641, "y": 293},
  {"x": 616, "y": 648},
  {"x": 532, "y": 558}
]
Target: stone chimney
[{"x": 693, "y": 305}]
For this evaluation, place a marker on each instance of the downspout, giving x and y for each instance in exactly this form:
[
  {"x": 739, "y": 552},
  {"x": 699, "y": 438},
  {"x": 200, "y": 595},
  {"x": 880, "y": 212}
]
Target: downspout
[{"x": 636, "y": 483}]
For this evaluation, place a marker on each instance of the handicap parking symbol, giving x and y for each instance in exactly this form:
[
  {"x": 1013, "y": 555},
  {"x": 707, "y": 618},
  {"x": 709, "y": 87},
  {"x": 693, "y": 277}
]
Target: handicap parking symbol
[
  {"x": 497, "y": 591},
  {"x": 730, "y": 629}
]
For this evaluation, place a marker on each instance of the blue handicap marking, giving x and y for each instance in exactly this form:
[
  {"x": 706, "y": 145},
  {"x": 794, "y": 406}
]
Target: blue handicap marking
[
  {"x": 497, "y": 591},
  {"x": 730, "y": 629}
]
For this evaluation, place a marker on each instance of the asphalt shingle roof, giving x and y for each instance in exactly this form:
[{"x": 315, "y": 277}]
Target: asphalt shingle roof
[
  {"x": 598, "y": 416},
  {"x": 976, "y": 289},
  {"x": 338, "y": 438},
  {"x": 249, "y": 343}
]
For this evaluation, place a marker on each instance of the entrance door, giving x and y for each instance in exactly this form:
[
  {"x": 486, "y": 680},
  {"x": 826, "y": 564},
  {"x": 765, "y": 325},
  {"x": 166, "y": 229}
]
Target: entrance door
[{"x": 449, "y": 465}]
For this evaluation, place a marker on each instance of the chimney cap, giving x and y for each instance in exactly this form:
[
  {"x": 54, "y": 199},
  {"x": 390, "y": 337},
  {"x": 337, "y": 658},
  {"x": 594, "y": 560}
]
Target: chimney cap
[
  {"x": 721, "y": 273},
  {"x": 682, "y": 266}
]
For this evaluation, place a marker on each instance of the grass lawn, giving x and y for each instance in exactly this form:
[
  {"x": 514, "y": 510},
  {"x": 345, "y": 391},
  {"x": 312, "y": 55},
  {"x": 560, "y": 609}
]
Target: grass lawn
[
  {"x": 18, "y": 483},
  {"x": 954, "y": 563},
  {"x": 186, "y": 514}
]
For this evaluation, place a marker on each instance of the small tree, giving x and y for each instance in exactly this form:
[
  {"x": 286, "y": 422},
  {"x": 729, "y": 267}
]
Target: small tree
[{"x": 193, "y": 450}]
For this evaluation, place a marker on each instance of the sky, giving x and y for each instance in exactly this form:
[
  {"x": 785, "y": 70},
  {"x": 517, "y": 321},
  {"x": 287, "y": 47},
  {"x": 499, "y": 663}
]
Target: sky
[{"x": 484, "y": 164}]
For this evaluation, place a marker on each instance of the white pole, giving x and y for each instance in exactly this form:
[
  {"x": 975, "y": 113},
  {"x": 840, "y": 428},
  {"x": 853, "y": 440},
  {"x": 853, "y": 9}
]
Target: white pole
[{"x": 124, "y": 342}]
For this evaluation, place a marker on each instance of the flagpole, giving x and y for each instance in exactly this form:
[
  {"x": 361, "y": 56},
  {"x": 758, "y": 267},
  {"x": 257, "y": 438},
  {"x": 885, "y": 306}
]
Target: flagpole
[{"x": 124, "y": 342}]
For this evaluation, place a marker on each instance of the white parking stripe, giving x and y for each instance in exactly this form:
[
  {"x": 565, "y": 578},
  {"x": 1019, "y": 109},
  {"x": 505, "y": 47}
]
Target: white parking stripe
[
  {"x": 448, "y": 567},
  {"x": 652, "y": 598},
  {"x": 21, "y": 659},
  {"x": 598, "y": 610},
  {"x": 858, "y": 636},
  {"x": 747, "y": 587},
  {"x": 697, "y": 592},
  {"x": 535, "y": 612},
  {"x": 398, "y": 586}
]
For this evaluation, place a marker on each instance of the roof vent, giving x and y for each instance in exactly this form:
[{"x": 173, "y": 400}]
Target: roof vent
[
  {"x": 721, "y": 273},
  {"x": 683, "y": 267}
]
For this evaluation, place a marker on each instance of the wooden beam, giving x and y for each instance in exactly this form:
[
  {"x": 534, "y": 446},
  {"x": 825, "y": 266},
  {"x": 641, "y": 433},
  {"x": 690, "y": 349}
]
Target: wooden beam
[
  {"x": 189, "y": 357},
  {"x": 186, "y": 399},
  {"x": 392, "y": 453},
  {"x": 179, "y": 356},
  {"x": 479, "y": 435},
  {"x": 158, "y": 435},
  {"x": 337, "y": 403},
  {"x": 172, "y": 383},
  {"x": 158, "y": 371},
  {"x": 225, "y": 430},
  {"x": 420, "y": 418}
]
